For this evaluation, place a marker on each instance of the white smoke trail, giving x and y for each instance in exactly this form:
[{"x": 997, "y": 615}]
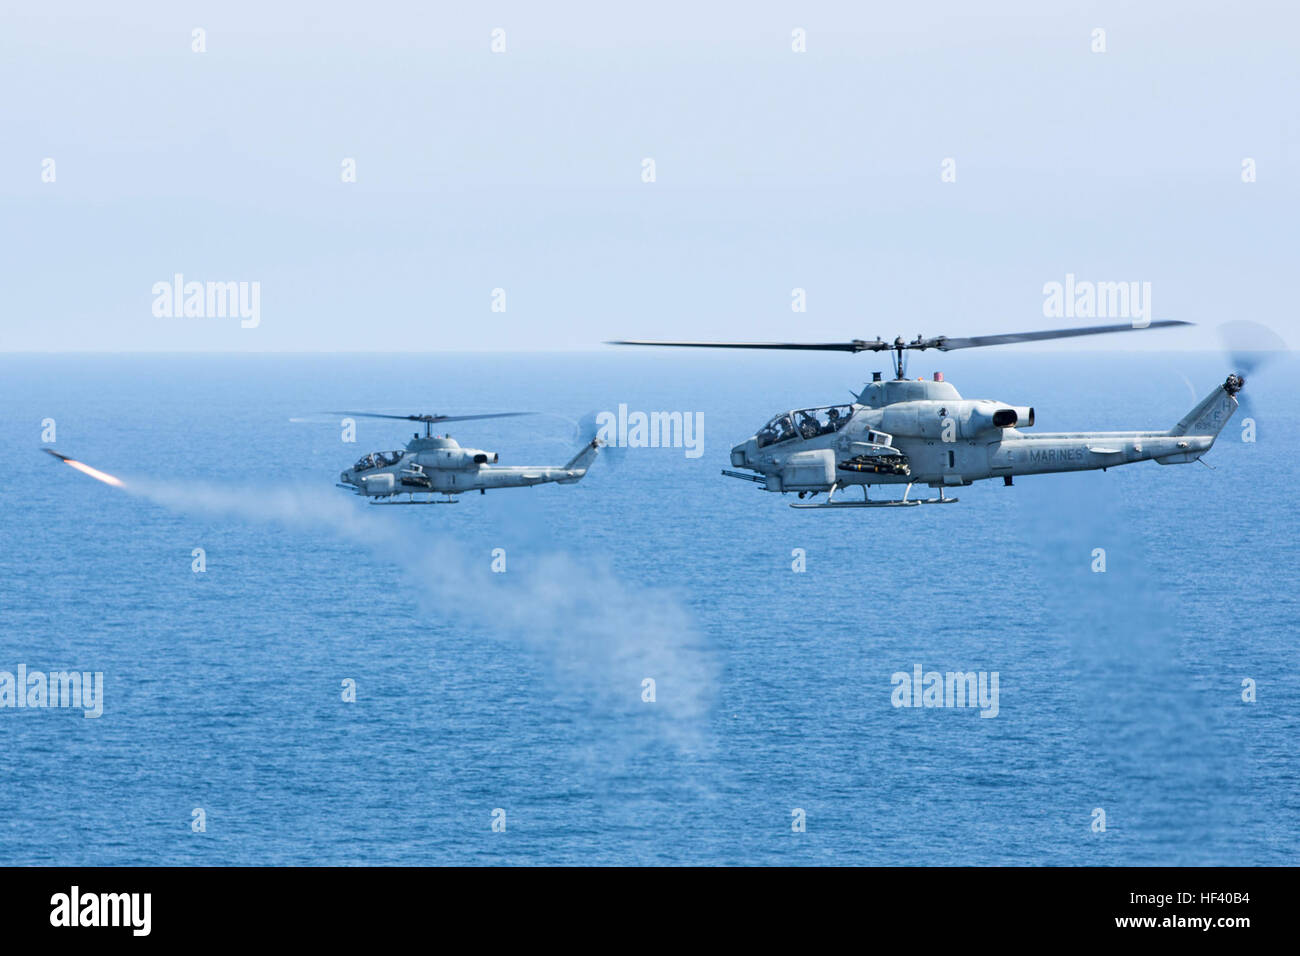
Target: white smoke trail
[{"x": 603, "y": 636}]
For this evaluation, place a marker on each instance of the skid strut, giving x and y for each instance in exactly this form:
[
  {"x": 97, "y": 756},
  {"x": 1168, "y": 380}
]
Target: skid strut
[{"x": 867, "y": 502}]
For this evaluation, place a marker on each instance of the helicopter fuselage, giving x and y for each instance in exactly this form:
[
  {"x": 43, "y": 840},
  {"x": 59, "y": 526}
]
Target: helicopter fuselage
[
  {"x": 434, "y": 465},
  {"x": 906, "y": 432}
]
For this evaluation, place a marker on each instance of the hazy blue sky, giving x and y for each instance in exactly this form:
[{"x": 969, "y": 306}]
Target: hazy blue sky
[{"x": 523, "y": 170}]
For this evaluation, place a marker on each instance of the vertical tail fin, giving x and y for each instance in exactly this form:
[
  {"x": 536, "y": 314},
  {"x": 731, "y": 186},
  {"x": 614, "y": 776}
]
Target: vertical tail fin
[
  {"x": 583, "y": 459},
  {"x": 1213, "y": 412}
]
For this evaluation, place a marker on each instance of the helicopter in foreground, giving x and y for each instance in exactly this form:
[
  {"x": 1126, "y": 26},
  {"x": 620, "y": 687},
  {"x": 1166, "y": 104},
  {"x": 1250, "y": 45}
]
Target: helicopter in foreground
[
  {"x": 904, "y": 432},
  {"x": 431, "y": 465}
]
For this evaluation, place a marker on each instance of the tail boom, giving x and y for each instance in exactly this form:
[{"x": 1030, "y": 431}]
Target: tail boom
[{"x": 1187, "y": 441}]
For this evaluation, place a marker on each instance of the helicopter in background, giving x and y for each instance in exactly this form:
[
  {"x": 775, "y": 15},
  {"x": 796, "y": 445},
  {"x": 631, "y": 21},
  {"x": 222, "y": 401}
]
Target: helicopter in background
[
  {"x": 432, "y": 465},
  {"x": 903, "y": 432}
]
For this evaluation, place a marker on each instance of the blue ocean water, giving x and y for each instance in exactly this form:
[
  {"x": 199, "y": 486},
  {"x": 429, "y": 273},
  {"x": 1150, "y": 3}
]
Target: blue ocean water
[{"x": 522, "y": 691}]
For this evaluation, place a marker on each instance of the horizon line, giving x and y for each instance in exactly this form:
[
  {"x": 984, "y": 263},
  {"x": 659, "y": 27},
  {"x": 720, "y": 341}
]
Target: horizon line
[{"x": 540, "y": 351}]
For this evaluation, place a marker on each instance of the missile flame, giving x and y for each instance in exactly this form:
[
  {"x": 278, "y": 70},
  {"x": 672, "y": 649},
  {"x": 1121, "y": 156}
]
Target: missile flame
[{"x": 85, "y": 469}]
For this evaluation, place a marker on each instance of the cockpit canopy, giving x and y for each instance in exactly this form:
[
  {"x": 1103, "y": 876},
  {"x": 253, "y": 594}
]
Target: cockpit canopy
[
  {"x": 379, "y": 459},
  {"x": 805, "y": 423}
]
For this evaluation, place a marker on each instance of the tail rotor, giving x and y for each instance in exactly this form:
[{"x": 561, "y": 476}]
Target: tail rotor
[
  {"x": 1250, "y": 347},
  {"x": 586, "y": 429}
]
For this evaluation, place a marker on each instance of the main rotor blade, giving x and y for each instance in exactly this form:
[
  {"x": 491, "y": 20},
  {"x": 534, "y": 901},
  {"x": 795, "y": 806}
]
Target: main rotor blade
[
  {"x": 945, "y": 344},
  {"x": 941, "y": 342},
  {"x": 857, "y": 345},
  {"x": 471, "y": 418},
  {"x": 431, "y": 419}
]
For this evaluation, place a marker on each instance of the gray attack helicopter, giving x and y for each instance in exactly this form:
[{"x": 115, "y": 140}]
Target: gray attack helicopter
[
  {"x": 431, "y": 465},
  {"x": 902, "y": 432}
]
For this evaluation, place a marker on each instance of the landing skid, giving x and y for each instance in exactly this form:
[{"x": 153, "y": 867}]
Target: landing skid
[
  {"x": 422, "y": 501},
  {"x": 866, "y": 502},
  {"x": 861, "y": 504}
]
